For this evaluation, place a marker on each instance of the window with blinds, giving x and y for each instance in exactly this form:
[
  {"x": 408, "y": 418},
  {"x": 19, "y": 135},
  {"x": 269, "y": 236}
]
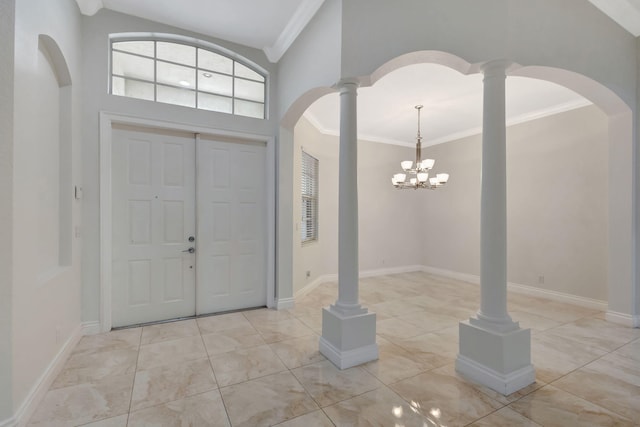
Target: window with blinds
[{"x": 309, "y": 190}]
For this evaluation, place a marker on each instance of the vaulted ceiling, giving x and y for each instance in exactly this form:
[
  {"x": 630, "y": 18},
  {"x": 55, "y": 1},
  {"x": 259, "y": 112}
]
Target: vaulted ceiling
[{"x": 452, "y": 101}]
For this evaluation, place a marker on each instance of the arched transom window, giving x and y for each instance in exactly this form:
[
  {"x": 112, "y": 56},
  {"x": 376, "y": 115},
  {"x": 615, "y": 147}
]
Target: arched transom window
[{"x": 187, "y": 75}]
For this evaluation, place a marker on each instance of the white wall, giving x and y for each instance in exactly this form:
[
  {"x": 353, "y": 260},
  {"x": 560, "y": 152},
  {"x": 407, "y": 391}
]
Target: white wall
[
  {"x": 46, "y": 308},
  {"x": 557, "y": 191},
  {"x": 7, "y": 23},
  {"x": 557, "y": 209},
  {"x": 96, "y": 30},
  {"x": 572, "y": 34}
]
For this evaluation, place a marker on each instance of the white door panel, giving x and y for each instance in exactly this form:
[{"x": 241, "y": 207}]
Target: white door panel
[
  {"x": 231, "y": 254},
  {"x": 160, "y": 187},
  {"x": 153, "y": 216}
]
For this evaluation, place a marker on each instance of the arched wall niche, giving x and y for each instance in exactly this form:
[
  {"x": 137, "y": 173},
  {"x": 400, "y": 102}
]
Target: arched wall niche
[
  {"x": 60, "y": 146},
  {"x": 623, "y": 291},
  {"x": 56, "y": 59}
]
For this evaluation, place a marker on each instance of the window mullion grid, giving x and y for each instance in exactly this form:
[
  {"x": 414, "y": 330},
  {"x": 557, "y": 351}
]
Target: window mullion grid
[{"x": 155, "y": 71}]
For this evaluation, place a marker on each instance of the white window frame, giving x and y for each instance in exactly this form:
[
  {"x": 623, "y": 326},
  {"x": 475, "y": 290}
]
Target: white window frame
[
  {"x": 309, "y": 190},
  {"x": 171, "y": 38}
]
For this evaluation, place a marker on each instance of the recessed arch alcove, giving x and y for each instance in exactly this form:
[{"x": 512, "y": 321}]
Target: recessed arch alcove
[{"x": 55, "y": 199}]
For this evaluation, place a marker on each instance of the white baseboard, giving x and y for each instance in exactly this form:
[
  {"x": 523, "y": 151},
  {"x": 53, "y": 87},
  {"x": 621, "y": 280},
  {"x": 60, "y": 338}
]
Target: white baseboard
[
  {"x": 525, "y": 289},
  {"x": 452, "y": 274},
  {"x": 284, "y": 303},
  {"x": 91, "y": 328},
  {"x": 349, "y": 358},
  {"x": 325, "y": 278},
  {"x": 623, "y": 319},
  {"x": 40, "y": 388},
  {"x": 503, "y": 384},
  {"x": 390, "y": 270}
]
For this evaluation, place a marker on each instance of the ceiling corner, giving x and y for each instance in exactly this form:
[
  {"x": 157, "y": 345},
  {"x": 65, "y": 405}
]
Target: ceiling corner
[
  {"x": 292, "y": 30},
  {"x": 89, "y": 7},
  {"x": 625, "y": 12}
]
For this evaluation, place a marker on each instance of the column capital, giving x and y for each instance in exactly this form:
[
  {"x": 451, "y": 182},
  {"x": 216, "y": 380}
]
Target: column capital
[
  {"x": 348, "y": 84},
  {"x": 496, "y": 67}
]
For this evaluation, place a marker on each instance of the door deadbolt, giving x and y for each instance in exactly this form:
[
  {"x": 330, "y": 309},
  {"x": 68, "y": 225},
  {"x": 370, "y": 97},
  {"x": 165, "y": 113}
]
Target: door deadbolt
[{"x": 192, "y": 239}]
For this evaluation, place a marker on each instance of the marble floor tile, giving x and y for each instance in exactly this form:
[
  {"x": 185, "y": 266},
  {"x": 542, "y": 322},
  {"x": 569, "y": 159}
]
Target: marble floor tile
[
  {"x": 328, "y": 384},
  {"x": 281, "y": 330},
  {"x": 453, "y": 400},
  {"x": 554, "y": 310},
  {"x": 230, "y": 340},
  {"x": 242, "y": 365},
  {"x": 533, "y": 321},
  {"x": 396, "y": 328},
  {"x": 505, "y": 417},
  {"x": 124, "y": 339},
  {"x": 266, "y": 401},
  {"x": 169, "y": 352},
  {"x": 380, "y": 407},
  {"x": 631, "y": 351},
  {"x": 312, "y": 419},
  {"x": 222, "y": 322},
  {"x": 313, "y": 322},
  {"x": 429, "y": 322},
  {"x": 396, "y": 308},
  {"x": 395, "y": 363},
  {"x": 601, "y": 334},
  {"x": 442, "y": 344},
  {"x": 119, "y": 421},
  {"x": 171, "y": 382},
  {"x": 612, "y": 382},
  {"x": 93, "y": 366},
  {"x": 264, "y": 315},
  {"x": 169, "y": 331},
  {"x": 552, "y": 407},
  {"x": 587, "y": 369},
  {"x": 554, "y": 356},
  {"x": 298, "y": 351},
  {"x": 204, "y": 409},
  {"x": 84, "y": 403}
]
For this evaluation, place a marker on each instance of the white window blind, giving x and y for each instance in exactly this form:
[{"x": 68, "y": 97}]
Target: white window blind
[{"x": 309, "y": 190}]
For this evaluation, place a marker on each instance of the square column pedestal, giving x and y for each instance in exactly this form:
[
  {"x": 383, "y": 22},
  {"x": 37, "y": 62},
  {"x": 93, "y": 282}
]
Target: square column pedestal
[
  {"x": 348, "y": 340},
  {"x": 500, "y": 361}
]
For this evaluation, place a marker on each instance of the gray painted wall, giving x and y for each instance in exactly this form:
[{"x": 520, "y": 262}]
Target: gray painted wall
[
  {"x": 45, "y": 308},
  {"x": 7, "y": 40},
  {"x": 557, "y": 181}
]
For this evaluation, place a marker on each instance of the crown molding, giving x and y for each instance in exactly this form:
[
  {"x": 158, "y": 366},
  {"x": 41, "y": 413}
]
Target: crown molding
[
  {"x": 292, "y": 30},
  {"x": 523, "y": 118},
  {"x": 89, "y": 7}
]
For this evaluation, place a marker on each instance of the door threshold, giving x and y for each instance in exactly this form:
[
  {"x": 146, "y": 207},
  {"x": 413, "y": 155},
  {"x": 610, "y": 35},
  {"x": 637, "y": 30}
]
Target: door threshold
[{"x": 179, "y": 319}]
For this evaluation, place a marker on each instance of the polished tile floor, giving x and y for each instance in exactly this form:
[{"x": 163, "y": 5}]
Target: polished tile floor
[{"x": 262, "y": 368}]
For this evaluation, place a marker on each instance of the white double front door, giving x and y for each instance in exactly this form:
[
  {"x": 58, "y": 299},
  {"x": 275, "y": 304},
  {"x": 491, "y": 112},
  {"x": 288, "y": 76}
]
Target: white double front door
[{"x": 189, "y": 225}]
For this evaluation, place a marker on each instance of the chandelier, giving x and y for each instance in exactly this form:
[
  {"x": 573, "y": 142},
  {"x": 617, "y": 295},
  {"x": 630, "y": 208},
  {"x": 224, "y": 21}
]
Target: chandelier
[{"x": 420, "y": 170}]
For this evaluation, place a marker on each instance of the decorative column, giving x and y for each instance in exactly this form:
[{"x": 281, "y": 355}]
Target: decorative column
[
  {"x": 494, "y": 350},
  {"x": 348, "y": 329}
]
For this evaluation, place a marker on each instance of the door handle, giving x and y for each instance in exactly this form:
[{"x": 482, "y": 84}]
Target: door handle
[{"x": 190, "y": 250}]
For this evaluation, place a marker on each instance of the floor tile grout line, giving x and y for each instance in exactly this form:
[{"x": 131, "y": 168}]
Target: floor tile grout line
[
  {"x": 135, "y": 374},
  {"x": 215, "y": 378},
  {"x": 588, "y": 401}
]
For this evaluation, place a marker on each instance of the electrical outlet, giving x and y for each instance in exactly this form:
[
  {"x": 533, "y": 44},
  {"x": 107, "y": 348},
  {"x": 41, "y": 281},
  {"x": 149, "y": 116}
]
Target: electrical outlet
[
  {"x": 308, "y": 273},
  {"x": 541, "y": 280}
]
